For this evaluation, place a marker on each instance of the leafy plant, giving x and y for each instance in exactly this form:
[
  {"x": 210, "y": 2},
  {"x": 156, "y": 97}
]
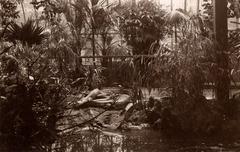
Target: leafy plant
[
  {"x": 189, "y": 65},
  {"x": 175, "y": 19},
  {"x": 142, "y": 26},
  {"x": 8, "y": 11},
  {"x": 28, "y": 33},
  {"x": 33, "y": 95}
]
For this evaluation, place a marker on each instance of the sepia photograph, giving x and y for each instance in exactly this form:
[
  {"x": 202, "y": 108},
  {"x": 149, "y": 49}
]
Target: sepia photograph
[{"x": 119, "y": 75}]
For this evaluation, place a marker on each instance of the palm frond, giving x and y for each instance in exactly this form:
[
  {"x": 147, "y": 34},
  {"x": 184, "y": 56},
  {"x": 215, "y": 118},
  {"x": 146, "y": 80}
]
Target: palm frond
[
  {"x": 27, "y": 33},
  {"x": 176, "y": 17}
]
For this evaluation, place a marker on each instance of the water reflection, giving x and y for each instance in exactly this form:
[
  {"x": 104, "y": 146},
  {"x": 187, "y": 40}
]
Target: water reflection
[
  {"x": 89, "y": 142},
  {"x": 138, "y": 141}
]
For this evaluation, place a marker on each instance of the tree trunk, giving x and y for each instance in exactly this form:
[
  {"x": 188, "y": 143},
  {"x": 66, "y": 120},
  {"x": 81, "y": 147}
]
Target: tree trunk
[
  {"x": 185, "y": 5},
  {"x": 175, "y": 30},
  {"x": 93, "y": 46},
  {"x": 23, "y": 10},
  {"x": 220, "y": 30},
  {"x": 198, "y": 6}
]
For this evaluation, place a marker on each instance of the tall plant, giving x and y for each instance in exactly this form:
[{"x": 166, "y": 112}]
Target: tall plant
[
  {"x": 65, "y": 20},
  {"x": 189, "y": 65},
  {"x": 175, "y": 19},
  {"x": 143, "y": 27}
]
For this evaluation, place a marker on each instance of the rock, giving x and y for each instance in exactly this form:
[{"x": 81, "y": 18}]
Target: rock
[
  {"x": 154, "y": 110},
  {"x": 71, "y": 117},
  {"x": 138, "y": 117},
  {"x": 232, "y": 108},
  {"x": 111, "y": 119}
]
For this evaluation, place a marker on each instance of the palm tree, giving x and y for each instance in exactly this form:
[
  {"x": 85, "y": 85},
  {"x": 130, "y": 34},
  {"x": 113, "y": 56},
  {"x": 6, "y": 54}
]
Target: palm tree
[
  {"x": 175, "y": 18},
  {"x": 29, "y": 33}
]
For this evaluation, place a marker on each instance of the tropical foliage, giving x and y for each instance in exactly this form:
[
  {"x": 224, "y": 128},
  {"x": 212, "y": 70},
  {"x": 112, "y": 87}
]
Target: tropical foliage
[
  {"x": 42, "y": 64},
  {"x": 8, "y": 11},
  {"x": 142, "y": 26}
]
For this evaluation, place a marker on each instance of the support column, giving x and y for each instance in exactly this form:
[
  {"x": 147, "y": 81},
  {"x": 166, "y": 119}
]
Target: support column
[{"x": 221, "y": 30}]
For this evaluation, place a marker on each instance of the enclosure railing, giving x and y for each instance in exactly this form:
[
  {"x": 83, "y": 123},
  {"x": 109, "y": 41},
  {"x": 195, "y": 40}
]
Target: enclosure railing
[
  {"x": 118, "y": 56},
  {"x": 114, "y": 58}
]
